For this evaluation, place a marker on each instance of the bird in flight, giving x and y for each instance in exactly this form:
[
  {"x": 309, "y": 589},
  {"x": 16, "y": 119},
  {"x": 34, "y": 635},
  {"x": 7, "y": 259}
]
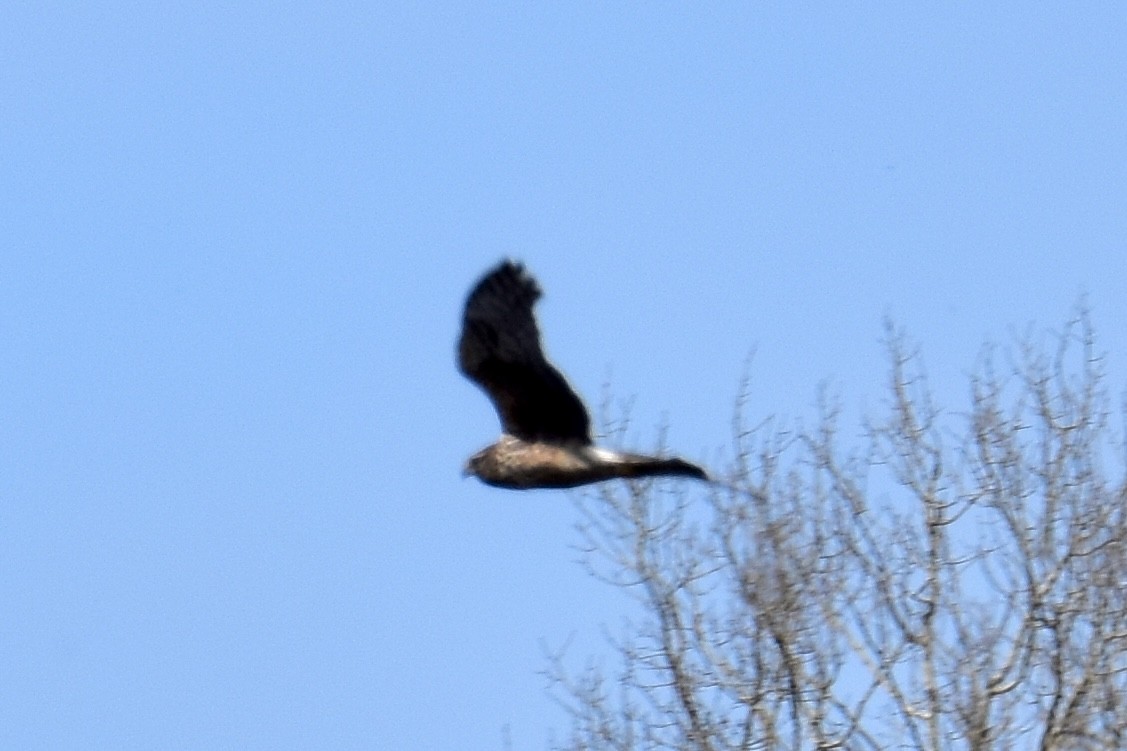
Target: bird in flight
[{"x": 546, "y": 438}]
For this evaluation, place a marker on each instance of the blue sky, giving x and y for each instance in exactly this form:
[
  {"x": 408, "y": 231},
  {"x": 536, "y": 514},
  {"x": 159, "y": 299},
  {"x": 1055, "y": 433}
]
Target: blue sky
[{"x": 237, "y": 238}]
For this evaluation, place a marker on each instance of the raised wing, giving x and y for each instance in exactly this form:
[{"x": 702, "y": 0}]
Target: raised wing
[{"x": 499, "y": 350}]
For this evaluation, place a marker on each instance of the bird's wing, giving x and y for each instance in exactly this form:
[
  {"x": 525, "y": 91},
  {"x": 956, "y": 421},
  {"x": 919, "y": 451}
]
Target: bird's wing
[{"x": 499, "y": 350}]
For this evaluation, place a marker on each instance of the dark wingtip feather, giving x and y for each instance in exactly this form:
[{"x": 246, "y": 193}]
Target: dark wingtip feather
[{"x": 508, "y": 273}]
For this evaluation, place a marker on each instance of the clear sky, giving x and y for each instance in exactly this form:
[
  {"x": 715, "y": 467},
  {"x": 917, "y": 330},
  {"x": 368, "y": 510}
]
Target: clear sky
[{"x": 236, "y": 238}]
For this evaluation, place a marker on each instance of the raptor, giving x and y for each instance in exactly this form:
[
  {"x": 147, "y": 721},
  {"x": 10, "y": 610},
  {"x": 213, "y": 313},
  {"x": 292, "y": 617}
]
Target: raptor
[{"x": 546, "y": 435}]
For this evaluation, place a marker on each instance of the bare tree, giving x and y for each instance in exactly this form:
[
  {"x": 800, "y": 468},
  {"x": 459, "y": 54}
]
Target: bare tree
[{"x": 958, "y": 581}]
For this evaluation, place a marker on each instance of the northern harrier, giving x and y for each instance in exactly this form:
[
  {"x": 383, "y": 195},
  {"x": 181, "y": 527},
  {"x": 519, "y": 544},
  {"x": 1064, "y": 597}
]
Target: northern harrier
[{"x": 546, "y": 440}]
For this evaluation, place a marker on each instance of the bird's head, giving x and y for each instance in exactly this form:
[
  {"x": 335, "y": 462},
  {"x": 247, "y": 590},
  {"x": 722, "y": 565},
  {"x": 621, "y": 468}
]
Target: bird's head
[{"x": 473, "y": 465}]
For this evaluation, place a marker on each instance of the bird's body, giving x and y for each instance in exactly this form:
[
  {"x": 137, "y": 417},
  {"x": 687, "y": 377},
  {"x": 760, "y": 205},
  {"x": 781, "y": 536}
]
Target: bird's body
[
  {"x": 546, "y": 441},
  {"x": 522, "y": 465}
]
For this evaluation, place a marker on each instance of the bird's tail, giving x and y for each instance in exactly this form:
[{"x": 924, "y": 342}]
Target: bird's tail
[{"x": 638, "y": 465}]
